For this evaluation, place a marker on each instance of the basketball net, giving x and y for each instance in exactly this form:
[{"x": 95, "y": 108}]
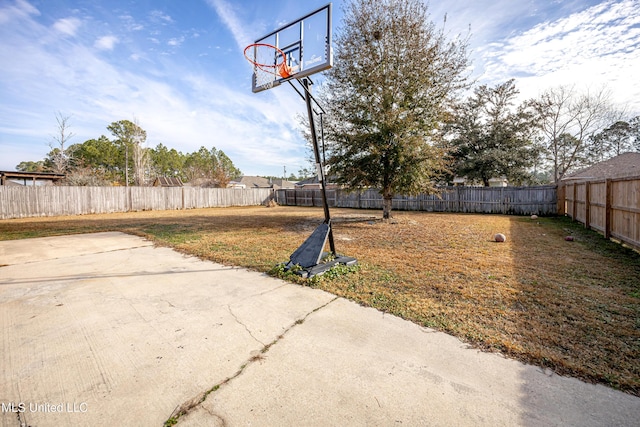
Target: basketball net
[{"x": 269, "y": 64}]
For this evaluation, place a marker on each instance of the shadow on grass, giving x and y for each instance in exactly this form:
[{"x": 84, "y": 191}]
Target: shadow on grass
[{"x": 576, "y": 307}]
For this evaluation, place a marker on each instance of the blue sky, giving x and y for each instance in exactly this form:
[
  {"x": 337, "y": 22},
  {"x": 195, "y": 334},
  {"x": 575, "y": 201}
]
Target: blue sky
[{"x": 176, "y": 66}]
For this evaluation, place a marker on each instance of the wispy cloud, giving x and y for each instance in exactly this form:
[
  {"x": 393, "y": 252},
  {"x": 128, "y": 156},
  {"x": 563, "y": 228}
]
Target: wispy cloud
[
  {"x": 159, "y": 16},
  {"x": 106, "y": 42},
  {"x": 228, "y": 16},
  {"x": 68, "y": 26},
  {"x": 177, "y": 105},
  {"x": 176, "y": 41},
  {"x": 20, "y": 9},
  {"x": 580, "y": 48},
  {"x": 130, "y": 23}
]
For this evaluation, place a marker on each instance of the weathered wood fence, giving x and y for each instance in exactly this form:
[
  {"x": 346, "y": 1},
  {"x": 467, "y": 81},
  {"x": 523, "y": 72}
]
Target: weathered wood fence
[
  {"x": 610, "y": 206},
  {"x": 32, "y": 201},
  {"x": 539, "y": 200}
]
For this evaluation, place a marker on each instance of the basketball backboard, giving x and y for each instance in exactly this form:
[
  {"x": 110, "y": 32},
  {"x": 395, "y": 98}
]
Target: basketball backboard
[{"x": 306, "y": 43}]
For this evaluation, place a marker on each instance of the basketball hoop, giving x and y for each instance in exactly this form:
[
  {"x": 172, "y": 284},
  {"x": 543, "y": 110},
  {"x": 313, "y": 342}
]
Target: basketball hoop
[{"x": 269, "y": 63}]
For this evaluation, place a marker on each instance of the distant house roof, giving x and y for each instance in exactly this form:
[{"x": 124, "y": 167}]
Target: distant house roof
[
  {"x": 493, "y": 182},
  {"x": 314, "y": 181},
  {"x": 622, "y": 166},
  {"x": 253, "y": 182},
  {"x": 283, "y": 183},
  {"x": 32, "y": 177},
  {"x": 307, "y": 181},
  {"x": 163, "y": 181},
  {"x": 260, "y": 182}
]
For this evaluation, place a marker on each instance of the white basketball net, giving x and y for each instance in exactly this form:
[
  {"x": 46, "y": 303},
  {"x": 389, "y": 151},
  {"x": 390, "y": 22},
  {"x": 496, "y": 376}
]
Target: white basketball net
[
  {"x": 263, "y": 78},
  {"x": 268, "y": 64}
]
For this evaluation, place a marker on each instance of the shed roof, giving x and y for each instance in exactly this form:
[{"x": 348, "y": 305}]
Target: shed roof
[
  {"x": 164, "y": 181},
  {"x": 31, "y": 176}
]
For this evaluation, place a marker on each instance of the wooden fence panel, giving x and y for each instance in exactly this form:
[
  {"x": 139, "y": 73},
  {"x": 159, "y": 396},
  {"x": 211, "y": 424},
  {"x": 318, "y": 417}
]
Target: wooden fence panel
[
  {"x": 569, "y": 191},
  {"x": 580, "y": 202},
  {"x": 541, "y": 200},
  {"x": 625, "y": 211},
  {"x": 370, "y": 199},
  {"x": 33, "y": 201},
  {"x": 596, "y": 215},
  {"x": 610, "y": 206}
]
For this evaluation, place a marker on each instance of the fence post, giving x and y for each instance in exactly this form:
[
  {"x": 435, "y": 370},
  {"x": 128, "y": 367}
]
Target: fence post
[
  {"x": 561, "y": 199},
  {"x": 587, "y": 205},
  {"x": 607, "y": 210},
  {"x": 575, "y": 205}
]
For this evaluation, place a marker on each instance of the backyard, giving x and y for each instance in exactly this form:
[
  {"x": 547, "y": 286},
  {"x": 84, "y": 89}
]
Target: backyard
[{"x": 570, "y": 306}]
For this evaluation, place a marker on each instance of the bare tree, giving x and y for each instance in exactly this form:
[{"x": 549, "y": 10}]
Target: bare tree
[
  {"x": 569, "y": 120},
  {"x": 60, "y": 157}
]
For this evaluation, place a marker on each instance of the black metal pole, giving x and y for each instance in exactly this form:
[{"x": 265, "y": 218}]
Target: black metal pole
[{"x": 319, "y": 165}]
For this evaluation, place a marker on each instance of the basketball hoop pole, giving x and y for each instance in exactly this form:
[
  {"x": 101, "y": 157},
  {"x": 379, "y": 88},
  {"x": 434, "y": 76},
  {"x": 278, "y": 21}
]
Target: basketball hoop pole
[{"x": 319, "y": 165}]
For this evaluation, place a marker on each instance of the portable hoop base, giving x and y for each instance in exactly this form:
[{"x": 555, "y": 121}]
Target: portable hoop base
[{"x": 310, "y": 255}]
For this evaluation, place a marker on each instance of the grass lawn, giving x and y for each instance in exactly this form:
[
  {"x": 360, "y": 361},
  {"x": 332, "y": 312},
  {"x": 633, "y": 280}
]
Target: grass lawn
[{"x": 573, "y": 307}]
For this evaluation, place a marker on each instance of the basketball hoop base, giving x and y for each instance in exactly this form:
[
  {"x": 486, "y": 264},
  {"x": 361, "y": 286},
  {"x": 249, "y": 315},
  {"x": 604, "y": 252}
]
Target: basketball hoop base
[
  {"x": 311, "y": 258},
  {"x": 320, "y": 269}
]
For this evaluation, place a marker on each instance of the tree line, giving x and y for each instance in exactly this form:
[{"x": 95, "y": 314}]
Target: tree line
[
  {"x": 538, "y": 141},
  {"x": 125, "y": 160},
  {"x": 396, "y": 119},
  {"x": 401, "y": 116}
]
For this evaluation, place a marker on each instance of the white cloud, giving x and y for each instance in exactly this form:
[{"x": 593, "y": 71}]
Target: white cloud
[
  {"x": 598, "y": 46},
  {"x": 227, "y": 15},
  {"x": 19, "y": 10},
  {"x": 159, "y": 16},
  {"x": 256, "y": 131},
  {"x": 176, "y": 41},
  {"x": 68, "y": 26},
  {"x": 130, "y": 23},
  {"x": 106, "y": 42}
]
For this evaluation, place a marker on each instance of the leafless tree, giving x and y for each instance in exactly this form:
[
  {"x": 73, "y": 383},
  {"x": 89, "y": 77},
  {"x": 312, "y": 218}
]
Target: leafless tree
[
  {"x": 60, "y": 157},
  {"x": 569, "y": 119}
]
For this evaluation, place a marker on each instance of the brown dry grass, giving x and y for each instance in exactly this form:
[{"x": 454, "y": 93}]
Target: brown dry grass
[{"x": 573, "y": 307}]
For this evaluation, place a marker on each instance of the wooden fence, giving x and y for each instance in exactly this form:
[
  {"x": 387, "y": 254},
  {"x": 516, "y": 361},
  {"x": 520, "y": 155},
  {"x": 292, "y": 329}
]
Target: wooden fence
[
  {"x": 540, "y": 200},
  {"x": 610, "y": 206},
  {"x": 32, "y": 201}
]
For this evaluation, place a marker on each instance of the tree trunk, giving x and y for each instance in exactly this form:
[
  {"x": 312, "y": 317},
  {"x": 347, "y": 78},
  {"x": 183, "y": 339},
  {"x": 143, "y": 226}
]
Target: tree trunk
[{"x": 387, "y": 203}]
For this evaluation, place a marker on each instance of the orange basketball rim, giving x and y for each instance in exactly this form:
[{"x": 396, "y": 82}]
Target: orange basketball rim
[{"x": 269, "y": 59}]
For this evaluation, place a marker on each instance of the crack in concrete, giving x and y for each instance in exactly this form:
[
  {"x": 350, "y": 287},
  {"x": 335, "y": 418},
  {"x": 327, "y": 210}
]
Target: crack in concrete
[
  {"x": 243, "y": 325},
  {"x": 198, "y": 400},
  {"x": 21, "y": 422},
  {"x": 222, "y": 423}
]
